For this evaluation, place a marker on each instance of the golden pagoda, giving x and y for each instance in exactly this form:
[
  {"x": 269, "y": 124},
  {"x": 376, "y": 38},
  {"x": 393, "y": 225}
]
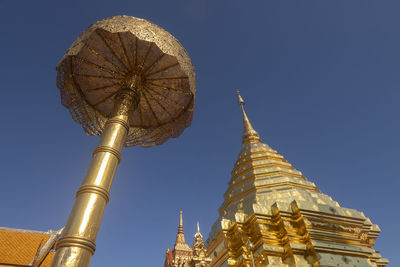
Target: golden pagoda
[{"x": 273, "y": 216}]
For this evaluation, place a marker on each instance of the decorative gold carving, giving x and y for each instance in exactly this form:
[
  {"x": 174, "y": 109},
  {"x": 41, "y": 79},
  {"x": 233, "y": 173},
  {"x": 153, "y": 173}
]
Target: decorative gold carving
[
  {"x": 225, "y": 224},
  {"x": 199, "y": 258},
  {"x": 363, "y": 236},
  {"x": 105, "y": 59},
  {"x": 125, "y": 101}
]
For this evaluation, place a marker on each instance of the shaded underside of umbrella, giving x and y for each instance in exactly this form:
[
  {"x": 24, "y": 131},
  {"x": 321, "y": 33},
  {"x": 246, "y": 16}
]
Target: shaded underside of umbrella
[{"x": 98, "y": 65}]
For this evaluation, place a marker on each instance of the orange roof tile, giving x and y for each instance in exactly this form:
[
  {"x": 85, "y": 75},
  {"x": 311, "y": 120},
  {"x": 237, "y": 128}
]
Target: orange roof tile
[
  {"x": 47, "y": 261},
  {"x": 19, "y": 247}
]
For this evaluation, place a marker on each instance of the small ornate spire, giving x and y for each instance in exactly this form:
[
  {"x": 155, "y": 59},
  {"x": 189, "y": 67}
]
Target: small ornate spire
[
  {"x": 181, "y": 254},
  {"x": 198, "y": 234},
  {"x": 249, "y": 134},
  {"x": 180, "y": 227},
  {"x": 198, "y": 244},
  {"x": 180, "y": 243}
]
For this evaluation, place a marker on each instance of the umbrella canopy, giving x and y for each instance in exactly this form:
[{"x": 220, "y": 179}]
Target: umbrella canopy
[{"x": 105, "y": 56}]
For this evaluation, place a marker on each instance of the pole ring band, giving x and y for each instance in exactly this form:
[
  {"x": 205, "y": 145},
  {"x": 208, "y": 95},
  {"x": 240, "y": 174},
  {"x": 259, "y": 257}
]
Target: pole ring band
[
  {"x": 108, "y": 149},
  {"x": 95, "y": 190},
  {"x": 120, "y": 121},
  {"x": 75, "y": 241}
]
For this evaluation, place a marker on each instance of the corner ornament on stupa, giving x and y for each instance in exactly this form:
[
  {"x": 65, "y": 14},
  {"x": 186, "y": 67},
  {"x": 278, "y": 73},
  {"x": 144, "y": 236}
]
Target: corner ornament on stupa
[{"x": 285, "y": 217}]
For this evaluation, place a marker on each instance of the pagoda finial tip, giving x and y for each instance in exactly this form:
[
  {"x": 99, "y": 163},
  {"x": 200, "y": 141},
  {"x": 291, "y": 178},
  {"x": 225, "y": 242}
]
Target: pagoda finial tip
[
  {"x": 240, "y": 99},
  {"x": 249, "y": 134},
  {"x": 180, "y": 226}
]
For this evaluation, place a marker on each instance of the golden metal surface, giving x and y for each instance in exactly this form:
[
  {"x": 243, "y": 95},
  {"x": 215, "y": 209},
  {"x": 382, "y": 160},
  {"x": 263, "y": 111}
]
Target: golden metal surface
[
  {"x": 249, "y": 134},
  {"x": 77, "y": 244},
  {"x": 132, "y": 83},
  {"x": 289, "y": 221}
]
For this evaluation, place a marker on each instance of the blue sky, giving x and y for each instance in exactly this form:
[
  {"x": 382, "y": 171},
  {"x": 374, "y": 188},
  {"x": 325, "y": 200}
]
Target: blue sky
[{"x": 321, "y": 84}]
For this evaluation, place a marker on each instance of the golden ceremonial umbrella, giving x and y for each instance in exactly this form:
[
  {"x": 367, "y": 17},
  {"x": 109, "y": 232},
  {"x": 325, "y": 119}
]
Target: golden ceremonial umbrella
[
  {"x": 106, "y": 56},
  {"x": 133, "y": 83}
]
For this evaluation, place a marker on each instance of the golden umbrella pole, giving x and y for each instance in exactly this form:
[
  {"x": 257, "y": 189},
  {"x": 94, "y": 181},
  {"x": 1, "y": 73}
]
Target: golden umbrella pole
[
  {"x": 77, "y": 245},
  {"x": 133, "y": 83}
]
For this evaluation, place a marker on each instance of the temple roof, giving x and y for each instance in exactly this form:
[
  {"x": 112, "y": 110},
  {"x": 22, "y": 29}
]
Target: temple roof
[{"x": 20, "y": 247}]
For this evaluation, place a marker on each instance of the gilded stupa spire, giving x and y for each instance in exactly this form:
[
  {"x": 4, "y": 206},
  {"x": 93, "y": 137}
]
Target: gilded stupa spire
[
  {"x": 180, "y": 227},
  {"x": 181, "y": 255},
  {"x": 249, "y": 134},
  {"x": 180, "y": 243}
]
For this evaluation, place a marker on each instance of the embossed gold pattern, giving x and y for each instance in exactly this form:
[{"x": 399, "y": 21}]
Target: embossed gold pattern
[{"x": 119, "y": 51}]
